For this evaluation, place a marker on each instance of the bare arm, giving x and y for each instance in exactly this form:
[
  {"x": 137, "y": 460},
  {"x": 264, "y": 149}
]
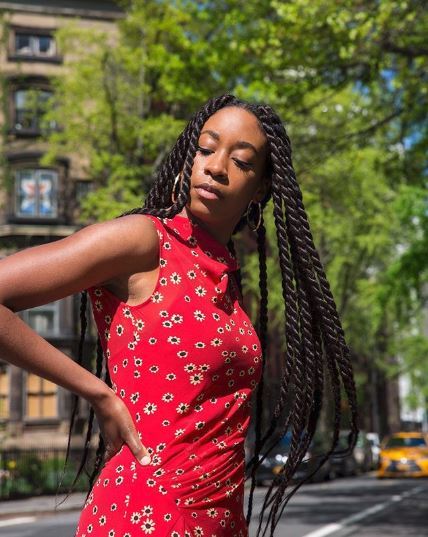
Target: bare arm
[{"x": 42, "y": 274}]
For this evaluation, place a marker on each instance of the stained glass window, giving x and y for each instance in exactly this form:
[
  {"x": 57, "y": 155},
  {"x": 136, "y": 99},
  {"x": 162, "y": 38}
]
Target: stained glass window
[{"x": 36, "y": 193}]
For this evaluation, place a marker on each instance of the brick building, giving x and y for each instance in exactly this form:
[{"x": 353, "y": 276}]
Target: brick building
[{"x": 38, "y": 204}]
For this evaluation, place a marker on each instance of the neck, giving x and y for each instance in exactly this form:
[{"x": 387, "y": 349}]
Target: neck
[{"x": 220, "y": 234}]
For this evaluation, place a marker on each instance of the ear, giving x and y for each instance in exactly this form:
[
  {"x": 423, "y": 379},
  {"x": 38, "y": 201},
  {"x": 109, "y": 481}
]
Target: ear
[{"x": 261, "y": 191}]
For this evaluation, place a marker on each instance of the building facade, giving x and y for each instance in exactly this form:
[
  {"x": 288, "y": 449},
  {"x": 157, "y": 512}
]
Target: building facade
[{"x": 39, "y": 204}]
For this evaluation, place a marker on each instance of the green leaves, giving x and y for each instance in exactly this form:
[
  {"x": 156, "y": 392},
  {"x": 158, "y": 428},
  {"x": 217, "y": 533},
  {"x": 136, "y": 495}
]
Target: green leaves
[{"x": 347, "y": 82}]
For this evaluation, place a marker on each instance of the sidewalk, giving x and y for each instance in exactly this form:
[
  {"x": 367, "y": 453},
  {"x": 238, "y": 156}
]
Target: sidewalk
[{"x": 37, "y": 505}]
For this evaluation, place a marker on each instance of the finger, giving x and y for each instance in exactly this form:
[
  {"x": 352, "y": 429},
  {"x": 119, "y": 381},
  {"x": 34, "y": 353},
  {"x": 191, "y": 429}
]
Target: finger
[{"x": 138, "y": 449}]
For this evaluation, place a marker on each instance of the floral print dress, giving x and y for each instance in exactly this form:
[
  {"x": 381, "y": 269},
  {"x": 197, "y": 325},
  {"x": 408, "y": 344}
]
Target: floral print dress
[{"x": 185, "y": 362}]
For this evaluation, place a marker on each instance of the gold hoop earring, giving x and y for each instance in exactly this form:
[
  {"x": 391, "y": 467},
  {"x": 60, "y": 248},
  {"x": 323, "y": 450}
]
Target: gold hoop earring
[
  {"x": 259, "y": 220},
  {"x": 173, "y": 196}
]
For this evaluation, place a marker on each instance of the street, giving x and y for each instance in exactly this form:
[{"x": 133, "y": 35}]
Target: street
[{"x": 362, "y": 506}]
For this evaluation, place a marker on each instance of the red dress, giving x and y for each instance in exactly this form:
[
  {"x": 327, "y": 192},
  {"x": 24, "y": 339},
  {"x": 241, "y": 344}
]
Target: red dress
[{"x": 185, "y": 362}]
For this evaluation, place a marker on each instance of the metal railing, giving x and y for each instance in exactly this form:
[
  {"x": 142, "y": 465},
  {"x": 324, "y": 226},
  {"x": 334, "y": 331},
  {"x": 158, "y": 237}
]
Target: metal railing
[{"x": 30, "y": 472}]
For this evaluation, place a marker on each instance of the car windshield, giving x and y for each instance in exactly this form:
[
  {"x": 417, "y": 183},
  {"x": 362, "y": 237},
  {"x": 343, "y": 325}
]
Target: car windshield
[{"x": 405, "y": 442}]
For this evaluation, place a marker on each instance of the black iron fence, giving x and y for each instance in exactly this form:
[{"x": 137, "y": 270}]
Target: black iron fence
[{"x": 29, "y": 472}]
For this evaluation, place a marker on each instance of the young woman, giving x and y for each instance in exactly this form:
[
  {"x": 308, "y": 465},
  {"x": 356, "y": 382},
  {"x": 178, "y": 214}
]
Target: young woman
[{"x": 180, "y": 355}]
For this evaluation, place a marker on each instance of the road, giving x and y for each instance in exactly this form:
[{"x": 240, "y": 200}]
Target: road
[{"x": 359, "y": 506}]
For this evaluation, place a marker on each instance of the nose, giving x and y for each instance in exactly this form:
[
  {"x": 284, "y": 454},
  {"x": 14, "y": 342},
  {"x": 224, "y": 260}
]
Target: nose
[{"x": 216, "y": 165}]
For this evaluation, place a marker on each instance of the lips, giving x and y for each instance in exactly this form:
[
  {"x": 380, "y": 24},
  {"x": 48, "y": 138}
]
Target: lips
[{"x": 207, "y": 187}]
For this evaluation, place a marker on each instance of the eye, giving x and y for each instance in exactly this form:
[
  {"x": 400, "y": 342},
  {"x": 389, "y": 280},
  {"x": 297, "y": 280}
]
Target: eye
[
  {"x": 203, "y": 150},
  {"x": 243, "y": 165}
]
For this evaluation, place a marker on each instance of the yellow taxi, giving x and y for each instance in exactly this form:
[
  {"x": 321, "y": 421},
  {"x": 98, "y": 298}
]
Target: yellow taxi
[{"x": 404, "y": 454}]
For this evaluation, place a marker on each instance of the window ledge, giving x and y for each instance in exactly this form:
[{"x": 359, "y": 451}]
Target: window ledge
[
  {"x": 7, "y": 230},
  {"x": 42, "y": 59}
]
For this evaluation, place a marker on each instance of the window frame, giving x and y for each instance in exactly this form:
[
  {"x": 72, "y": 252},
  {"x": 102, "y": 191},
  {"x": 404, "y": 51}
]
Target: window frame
[
  {"x": 6, "y": 396},
  {"x": 33, "y": 32},
  {"x": 54, "y": 307},
  {"x": 40, "y": 393},
  {"x": 35, "y": 129}
]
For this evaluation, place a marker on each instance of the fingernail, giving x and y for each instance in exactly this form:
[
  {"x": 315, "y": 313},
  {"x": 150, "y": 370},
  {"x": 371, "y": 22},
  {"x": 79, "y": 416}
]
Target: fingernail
[{"x": 145, "y": 460}]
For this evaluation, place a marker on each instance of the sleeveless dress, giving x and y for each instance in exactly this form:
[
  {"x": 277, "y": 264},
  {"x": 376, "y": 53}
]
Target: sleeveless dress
[{"x": 185, "y": 362}]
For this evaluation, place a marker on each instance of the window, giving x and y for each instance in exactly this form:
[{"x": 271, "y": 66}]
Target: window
[
  {"x": 82, "y": 189},
  {"x": 36, "y": 193},
  {"x": 29, "y": 106},
  {"x": 41, "y": 397},
  {"x": 34, "y": 45},
  {"x": 4, "y": 391},
  {"x": 43, "y": 319}
]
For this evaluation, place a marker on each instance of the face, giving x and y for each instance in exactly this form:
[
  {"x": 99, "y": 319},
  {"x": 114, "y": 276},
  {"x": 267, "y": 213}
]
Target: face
[{"x": 231, "y": 159}]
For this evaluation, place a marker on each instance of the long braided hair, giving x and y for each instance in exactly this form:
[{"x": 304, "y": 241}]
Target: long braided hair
[{"x": 315, "y": 347}]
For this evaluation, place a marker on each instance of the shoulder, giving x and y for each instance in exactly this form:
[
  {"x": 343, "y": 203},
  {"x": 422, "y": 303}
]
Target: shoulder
[{"x": 132, "y": 236}]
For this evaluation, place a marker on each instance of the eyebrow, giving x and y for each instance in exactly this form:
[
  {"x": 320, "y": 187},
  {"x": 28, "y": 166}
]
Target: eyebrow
[{"x": 240, "y": 144}]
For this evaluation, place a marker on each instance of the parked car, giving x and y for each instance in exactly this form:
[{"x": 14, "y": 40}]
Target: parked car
[
  {"x": 273, "y": 463},
  {"x": 374, "y": 440},
  {"x": 404, "y": 454},
  {"x": 357, "y": 462}
]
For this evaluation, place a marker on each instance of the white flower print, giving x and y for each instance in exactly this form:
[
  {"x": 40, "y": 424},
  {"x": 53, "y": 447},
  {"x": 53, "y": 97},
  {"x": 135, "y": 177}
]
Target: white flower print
[
  {"x": 164, "y": 314},
  {"x": 119, "y": 329},
  {"x": 147, "y": 510},
  {"x": 167, "y": 397},
  {"x": 182, "y": 408},
  {"x": 174, "y": 340},
  {"x": 163, "y": 262},
  {"x": 167, "y": 245},
  {"x": 167, "y": 517},
  {"x": 135, "y": 517},
  {"x": 199, "y": 425},
  {"x": 200, "y": 345},
  {"x": 212, "y": 513},
  {"x": 199, "y": 316},
  {"x": 176, "y": 318},
  {"x": 157, "y": 297},
  {"x": 171, "y": 376},
  {"x": 179, "y": 432},
  {"x": 187, "y": 298},
  {"x": 204, "y": 367},
  {"x": 148, "y": 526},
  {"x": 191, "y": 274},
  {"x": 154, "y": 369},
  {"x": 175, "y": 278},
  {"x": 163, "y": 281},
  {"x": 165, "y": 423},
  {"x": 182, "y": 354},
  {"x": 189, "y": 368},
  {"x": 138, "y": 362},
  {"x": 167, "y": 324},
  {"x": 200, "y": 291},
  {"x": 102, "y": 520},
  {"x": 150, "y": 408},
  {"x": 134, "y": 397},
  {"x": 216, "y": 316},
  {"x": 137, "y": 374},
  {"x": 152, "y": 340},
  {"x": 197, "y": 378}
]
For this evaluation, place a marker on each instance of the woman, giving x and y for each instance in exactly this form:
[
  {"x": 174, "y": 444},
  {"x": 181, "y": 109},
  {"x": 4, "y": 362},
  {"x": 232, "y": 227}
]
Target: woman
[{"x": 181, "y": 357}]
